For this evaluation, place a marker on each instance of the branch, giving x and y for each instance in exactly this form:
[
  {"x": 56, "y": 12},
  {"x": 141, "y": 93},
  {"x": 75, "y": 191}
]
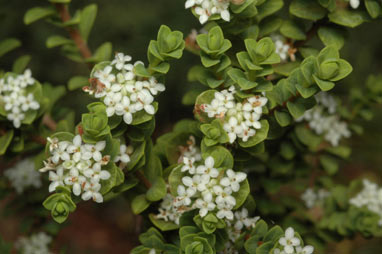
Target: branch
[
  {"x": 143, "y": 179},
  {"x": 48, "y": 121},
  {"x": 74, "y": 33}
]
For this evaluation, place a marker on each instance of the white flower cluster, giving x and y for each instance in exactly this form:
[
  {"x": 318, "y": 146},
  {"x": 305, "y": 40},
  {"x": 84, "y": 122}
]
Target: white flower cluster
[
  {"x": 241, "y": 119},
  {"x": 208, "y": 189},
  {"x": 240, "y": 224},
  {"x": 35, "y": 244},
  {"x": 170, "y": 210},
  {"x": 14, "y": 97},
  {"x": 292, "y": 244},
  {"x": 313, "y": 198},
  {"x": 23, "y": 175},
  {"x": 77, "y": 165},
  {"x": 124, "y": 93},
  {"x": 370, "y": 197},
  {"x": 282, "y": 48},
  {"x": 324, "y": 120},
  {"x": 206, "y": 8},
  {"x": 190, "y": 153}
]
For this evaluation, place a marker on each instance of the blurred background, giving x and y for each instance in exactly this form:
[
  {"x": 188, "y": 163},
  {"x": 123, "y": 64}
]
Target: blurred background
[{"x": 130, "y": 25}]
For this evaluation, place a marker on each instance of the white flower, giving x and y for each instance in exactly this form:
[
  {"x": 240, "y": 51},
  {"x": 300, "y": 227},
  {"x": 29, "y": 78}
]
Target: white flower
[
  {"x": 304, "y": 250},
  {"x": 208, "y": 168},
  {"x": 289, "y": 241},
  {"x": 153, "y": 86},
  {"x": 225, "y": 212},
  {"x": 233, "y": 129},
  {"x": 105, "y": 76},
  {"x": 233, "y": 179},
  {"x": 92, "y": 191},
  {"x": 57, "y": 179},
  {"x": 16, "y": 116},
  {"x": 124, "y": 152},
  {"x": 185, "y": 195},
  {"x": 26, "y": 78},
  {"x": 60, "y": 152},
  {"x": 354, "y": 4},
  {"x": 28, "y": 102},
  {"x": 120, "y": 62},
  {"x": 242, "y": 219},
  {"x": 23, "y": 175},
  {"x": 111, "y": 101},
  {"x": 188, "y": 165},
  {"x": 205, "y": 205},
  {"x": 310, "y": 197}
]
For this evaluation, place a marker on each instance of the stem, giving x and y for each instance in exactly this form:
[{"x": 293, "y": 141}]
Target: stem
[
  {"x": 143, "y": 179},
  {"x": 48, "y": 121},
  {"x": 73, "y": 32}
]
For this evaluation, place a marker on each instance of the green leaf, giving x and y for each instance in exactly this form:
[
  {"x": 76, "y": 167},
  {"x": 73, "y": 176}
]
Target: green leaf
[
  {"x": 291, "y": 29},
  {"x": 20, "y": 64},
  {"x": 161, "y": 224},
  {"x": 5, "y": 140},
  {"x": 286, "y": 69},
  {"x": 103, "y": 53},
  {"x": 340, "y": 151},
  {"x": 88, "y": 16},
  {"x": 310, "y": 9},
  {"x": 57, "y": 40},
  {"x": 331, "y": 36},
  {"x": 307, "y": 137},
  {"x": 274, "y": 234},
  {"x": 344, "y": 70},
  {"x": 347, "y": 18},
  {"x": 283, "y": 118},
  {"x": 8, "y": 45},
  {"x": 269, "y": 25},
  {"x": 329, "y": 163},
  {"x": 373, "y": 8},
  {"x": 175, "y": 179},
  {"x": 37, "y": 13},
  {"x": 268, "y": 8},
  {"x": 139, "y": 204},
  {"x": 77, "y": 82},
  {"x": 265, "y": 248},
  {"x": 242, "y": 194},
  {"x": 322, "y": 84},
  {"x": 157, "y": 191}
]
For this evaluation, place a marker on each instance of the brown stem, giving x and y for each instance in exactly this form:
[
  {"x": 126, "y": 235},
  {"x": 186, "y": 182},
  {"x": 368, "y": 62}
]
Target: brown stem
[
  {"x": 74, "y": 33},
  {"x": 143, "y": 179},
  {"x": 49, "y": 122},
  {"x": 38, "y": 140}
]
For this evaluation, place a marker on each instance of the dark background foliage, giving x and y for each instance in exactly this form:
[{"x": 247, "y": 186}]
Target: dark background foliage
[{"x": 130, "y": 25}]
